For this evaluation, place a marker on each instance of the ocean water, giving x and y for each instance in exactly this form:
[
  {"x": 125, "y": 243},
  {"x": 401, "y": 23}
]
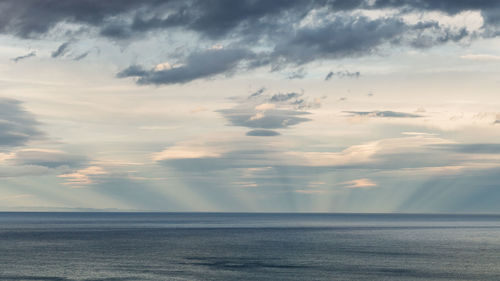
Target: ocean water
[{"x": 222, "y": 246}]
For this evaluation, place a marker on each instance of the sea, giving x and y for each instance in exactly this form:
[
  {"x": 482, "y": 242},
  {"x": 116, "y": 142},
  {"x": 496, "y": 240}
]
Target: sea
[{"x": 248, "y": 246}]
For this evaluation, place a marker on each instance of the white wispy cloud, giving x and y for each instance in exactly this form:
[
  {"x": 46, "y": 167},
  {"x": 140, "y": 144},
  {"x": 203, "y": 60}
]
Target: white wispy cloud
[
  {"x": 481, "y": 57},
  {"x": 83, "y": 177},
  {"x": 359, "y": 183}
]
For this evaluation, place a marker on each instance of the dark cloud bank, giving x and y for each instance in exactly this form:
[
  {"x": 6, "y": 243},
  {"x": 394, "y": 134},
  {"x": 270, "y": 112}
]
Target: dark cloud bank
[{"x": 259, "y": 33}]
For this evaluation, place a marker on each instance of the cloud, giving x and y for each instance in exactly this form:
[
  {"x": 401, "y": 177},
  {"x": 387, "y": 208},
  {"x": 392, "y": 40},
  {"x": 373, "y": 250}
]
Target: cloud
[
  {"x": 329, "y": 76},
  {"x": 198, "y": 109},
  {"x": 47, "y": 158},
  {"x": 265, "y": 106},
  {"x": 279, "y": 167},
  {"x": 474, "y": 148},
  {"x": 481, "y": 57},
  {"x": 263, "y": 133},
  {"x": 187, "y": 150},
  {"x": 383, "y": 114},
  {"x": 310, "y": 191},
  {"x": 342, "y": 37},
  {"x": 17, "y": 126},
  {"x": 298, "y": 74},
  {"x": 15, "y": 197},
  {"x": 359, "y": 183},
  {"x": 342, "y": 74},
  {"x": 61, "y": 50},
  {"x": 261, "y": 33},
  {"x": 81, "y": 56},
  {"x": 271, "y": 119},
  {"x": 265, "y": 112},
  {"x": 125, "y": 19},
  {"x": 284, "y": 97},
  {"x": 12, "y": 171},
  {"x": 257, "y": 93},
  {"x": 84, "y": 176},
  {"x": 392, "y": 153},
  {"x": 29, "y": 55},
  {"x": 208, "y": 19},
  {"x": 486, "y": 7},
  {"x": 203, "y": 64}
]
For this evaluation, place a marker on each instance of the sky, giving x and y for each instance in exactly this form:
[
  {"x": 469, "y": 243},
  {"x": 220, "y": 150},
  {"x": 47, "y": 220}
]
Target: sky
[{"x": 250, "y": 106}]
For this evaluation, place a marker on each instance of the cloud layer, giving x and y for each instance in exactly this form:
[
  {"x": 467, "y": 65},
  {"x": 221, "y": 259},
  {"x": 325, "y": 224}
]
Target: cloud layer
[
  {"x": 265, "y": 112},
  {"x": 276, "y": 34},
  {"x": 17, "y": 126}
]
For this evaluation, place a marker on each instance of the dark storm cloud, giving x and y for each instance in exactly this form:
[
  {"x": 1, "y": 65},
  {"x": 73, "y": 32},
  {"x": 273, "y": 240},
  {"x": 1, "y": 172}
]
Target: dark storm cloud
[
  {"x": 342, "y": 74},
  {"x": 272, "y": 25},
  {"x": 32, "y": 54},
  {"x": 342, "y": 37},
  {"x": 213, "y": 18},
  {"x": 353, "y": 36},
  {"x": 382, "y": 114},
  {"x": 263, "y": 133},
  {"x": 61, "y": 50},
  {"x": 203, "y": 64},
  {"x": 17, "y": 126},
  {"x": 124, "y": 18},
  {"x": 446, "y": 6},
  {"x": 34, "y": 18}
]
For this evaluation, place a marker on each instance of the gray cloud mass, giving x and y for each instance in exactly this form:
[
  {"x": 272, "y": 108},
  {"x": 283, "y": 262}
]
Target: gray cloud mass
[
  {"x": 216, "y": 18},
  {"x": 48, "y": 158},
  {"x": 198, "y": 65},
  {"x": 17, "y": 126},
  {"x": 267, "y": 26}
]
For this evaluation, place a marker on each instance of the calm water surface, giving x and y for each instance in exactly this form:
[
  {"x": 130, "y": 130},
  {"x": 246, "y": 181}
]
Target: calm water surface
[{"x": 215, "y": 246}]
